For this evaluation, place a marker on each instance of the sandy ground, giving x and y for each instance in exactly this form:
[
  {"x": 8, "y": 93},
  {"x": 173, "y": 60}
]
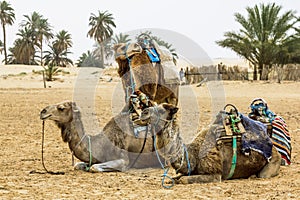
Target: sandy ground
[{"x": 22, "y": 96}]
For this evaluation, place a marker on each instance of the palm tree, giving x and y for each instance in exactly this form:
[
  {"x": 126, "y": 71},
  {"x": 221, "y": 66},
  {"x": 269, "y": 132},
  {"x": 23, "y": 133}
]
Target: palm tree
[
  {"x": 57, "y": 57},
  {"x": 63, "y": 41},
  {"x": 121, "y": 38},
  {"x": 23, "y": 50},
  {"x": 7, "y": 17},
  {"x": 261, "y": 34},
  {"x": 41, "y": 30},
  {"x": 88, "y": 60},
  {"x": 101, "y": 29}
]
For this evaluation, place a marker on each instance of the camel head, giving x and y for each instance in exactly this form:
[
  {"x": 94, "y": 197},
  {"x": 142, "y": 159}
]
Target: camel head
[
  {"x": 162, "y": 113},
  {"x": 124, "y": 51},
  {"x": 139, "y": 72},
  {"x": 60, "y": 113}
]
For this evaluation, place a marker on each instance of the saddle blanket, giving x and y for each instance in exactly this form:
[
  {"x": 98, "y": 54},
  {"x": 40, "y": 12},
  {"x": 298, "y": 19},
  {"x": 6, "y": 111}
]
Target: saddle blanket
[
  {"x": 281, "y": 139},
  {"x": 256, "y": 137}
]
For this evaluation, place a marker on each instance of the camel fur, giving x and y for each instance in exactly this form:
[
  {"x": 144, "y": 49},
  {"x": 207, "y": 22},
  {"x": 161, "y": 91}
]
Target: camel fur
[
  {"x": 209, "y": 160},
  {"x": 113, "y": 149},
  {"x": 148, "y": 77}
]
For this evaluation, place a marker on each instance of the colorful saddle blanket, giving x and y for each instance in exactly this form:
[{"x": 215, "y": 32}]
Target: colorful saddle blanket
[
  {"x": 281, "y": 139},
  {"x": 277, "y": 128}
]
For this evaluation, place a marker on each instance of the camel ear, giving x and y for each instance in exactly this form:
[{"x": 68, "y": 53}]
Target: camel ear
[
  {"x": 74, "y": 107},
  {"x": 170, "y": 107}
]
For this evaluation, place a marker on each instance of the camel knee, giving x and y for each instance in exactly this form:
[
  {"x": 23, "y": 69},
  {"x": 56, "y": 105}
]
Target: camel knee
[{"x": 272, "y": 168}]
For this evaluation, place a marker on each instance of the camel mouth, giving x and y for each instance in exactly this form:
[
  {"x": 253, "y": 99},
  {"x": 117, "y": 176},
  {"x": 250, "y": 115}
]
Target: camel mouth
[{"x": 44, "y": 117}]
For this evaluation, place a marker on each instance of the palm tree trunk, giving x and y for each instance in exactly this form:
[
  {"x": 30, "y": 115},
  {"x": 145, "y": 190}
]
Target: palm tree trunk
[
  {"x": 41, "y": 53},
  {"x": 255, "y": 73},
  {"x": 4, "y": 44},
  {"x": 260, "y": 71},
  {"x": 102, "y": 55}
]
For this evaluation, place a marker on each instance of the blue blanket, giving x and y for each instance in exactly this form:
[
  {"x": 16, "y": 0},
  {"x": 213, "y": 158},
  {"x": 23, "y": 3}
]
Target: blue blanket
[{"x": 256, "y": 137}]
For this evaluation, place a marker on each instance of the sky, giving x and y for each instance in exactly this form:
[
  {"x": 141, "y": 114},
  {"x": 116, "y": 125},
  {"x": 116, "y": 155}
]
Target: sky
[{"x": 203, "y": 22}]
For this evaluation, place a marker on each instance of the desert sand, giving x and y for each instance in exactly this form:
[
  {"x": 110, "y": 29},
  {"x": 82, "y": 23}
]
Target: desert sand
[{"x": 23, "y": 96}]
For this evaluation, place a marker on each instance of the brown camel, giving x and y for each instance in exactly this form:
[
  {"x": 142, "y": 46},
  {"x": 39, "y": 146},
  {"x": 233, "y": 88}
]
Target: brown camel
[
  {"x": 138, "y": 73},
  {"x": 205, "y": 159},
  {"x": 114, "y": 149}
]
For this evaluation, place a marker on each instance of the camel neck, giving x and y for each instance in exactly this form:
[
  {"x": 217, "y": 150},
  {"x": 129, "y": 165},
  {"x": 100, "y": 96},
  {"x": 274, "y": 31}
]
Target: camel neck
[
  {"x": 73, "y": 133},
  {"x": 172, "y": 148}
]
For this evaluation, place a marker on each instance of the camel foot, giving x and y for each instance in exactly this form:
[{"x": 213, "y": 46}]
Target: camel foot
[
  {"x": 81, "y": 166},
  {"x": 110, "y": 166},
  {"x": 199, "y": 179}
]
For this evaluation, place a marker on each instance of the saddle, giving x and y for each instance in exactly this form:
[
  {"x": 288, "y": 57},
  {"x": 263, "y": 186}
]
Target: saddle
[
  {"x": 235, "y": 126},
  {"x": 138, "y": 102},
  {"x": 261, "y": 112},
  {"x": 276, "y": 128},
  {"x": 232, "y": 124}
]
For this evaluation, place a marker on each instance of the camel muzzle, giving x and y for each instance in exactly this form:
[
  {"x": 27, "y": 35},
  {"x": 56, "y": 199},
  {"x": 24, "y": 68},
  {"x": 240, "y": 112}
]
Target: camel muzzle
[{"x": 44, "y": 115}]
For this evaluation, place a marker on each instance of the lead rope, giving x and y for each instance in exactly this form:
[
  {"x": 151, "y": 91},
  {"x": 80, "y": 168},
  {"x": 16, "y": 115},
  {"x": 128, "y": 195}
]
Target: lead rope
[
  {"x": 166, "y": 169},
  {"x": 43, "y": 163}
]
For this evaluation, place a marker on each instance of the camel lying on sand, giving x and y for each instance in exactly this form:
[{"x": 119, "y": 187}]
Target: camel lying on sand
[
  {"x": 204, "y": 157},
  {"x": 114, "y": 149},
  {"x": 137, "y": 72}
]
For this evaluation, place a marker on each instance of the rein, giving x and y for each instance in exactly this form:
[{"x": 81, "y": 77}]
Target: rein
[
  {"x": 43, "y": 163},
  {"x": 141, "y": 149},
  {"x": 166, "y": 169}
]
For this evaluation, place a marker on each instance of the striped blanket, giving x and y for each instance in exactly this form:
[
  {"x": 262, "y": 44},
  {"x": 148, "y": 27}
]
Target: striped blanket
[{"x": 281, "y": 139}]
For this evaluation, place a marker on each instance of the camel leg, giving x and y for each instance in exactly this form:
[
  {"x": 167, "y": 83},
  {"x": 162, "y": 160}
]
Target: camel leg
[
  {"x": 272, "y": 168},
  {"x": 110, "y": 166},
  {"x": 199, "y": 179}
]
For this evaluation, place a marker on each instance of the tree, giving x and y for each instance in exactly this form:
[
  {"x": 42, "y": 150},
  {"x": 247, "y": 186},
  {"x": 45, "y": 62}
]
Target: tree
[
  {"x": 57, "y": 57},
  {"x": 23, "y": 50},
  {"x": 121, "y": 38},
  {"x": 41, "y": 30},
  {"x": 88, "y": 60},
  {"x": 7, "y": 17},
  {"x": 101, "y": 29},
  {"x": 63, "y": 41},
  {"x": 260, "y": 36}
]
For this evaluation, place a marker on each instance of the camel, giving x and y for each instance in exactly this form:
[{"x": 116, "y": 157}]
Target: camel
[
  {"x": 205, "y": 159},
  {"x": 113, "y": 149},
  {"x": 137, "y": 72}
]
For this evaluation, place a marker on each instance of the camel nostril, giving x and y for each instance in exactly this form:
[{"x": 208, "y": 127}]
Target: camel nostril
[{"x": 43, "y": 111}]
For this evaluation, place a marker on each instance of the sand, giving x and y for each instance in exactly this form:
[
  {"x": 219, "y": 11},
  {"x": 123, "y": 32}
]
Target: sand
[{"x": 22, "y": 97}]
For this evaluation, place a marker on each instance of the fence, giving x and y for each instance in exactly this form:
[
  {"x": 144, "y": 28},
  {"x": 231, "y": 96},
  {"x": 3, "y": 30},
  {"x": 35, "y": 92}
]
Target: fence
[{"x": 221, "y": 72}]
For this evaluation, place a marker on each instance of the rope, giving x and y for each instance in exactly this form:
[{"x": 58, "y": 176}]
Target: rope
[
  {"x": 141, "y": 149},
  {"x": 43, "y": 163},
  {"x": 234, "y": 158},
  {"x": 187, "y": 160},
  {"x": 166, "y": 169}
]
